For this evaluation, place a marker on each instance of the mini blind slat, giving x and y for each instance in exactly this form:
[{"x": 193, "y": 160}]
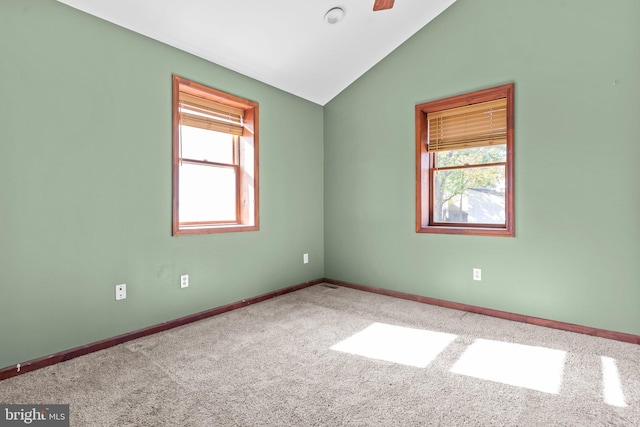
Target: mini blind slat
[
  {"x": 210, "y": 115},
  {"x": 469, "y": 126},
  {"x": 470, "y": 121},
  {"x": 209, "y": 104},
  {"x": 471, "y": 130},
  {"x": 208, "y": 124}
]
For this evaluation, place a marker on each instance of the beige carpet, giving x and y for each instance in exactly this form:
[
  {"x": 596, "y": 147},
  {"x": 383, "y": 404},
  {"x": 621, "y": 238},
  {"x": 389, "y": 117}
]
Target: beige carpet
[{"x": 327, "y": 356}]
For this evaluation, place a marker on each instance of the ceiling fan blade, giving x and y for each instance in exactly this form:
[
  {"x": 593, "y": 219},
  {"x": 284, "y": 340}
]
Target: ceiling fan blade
[{"x": 383, "y": 4}]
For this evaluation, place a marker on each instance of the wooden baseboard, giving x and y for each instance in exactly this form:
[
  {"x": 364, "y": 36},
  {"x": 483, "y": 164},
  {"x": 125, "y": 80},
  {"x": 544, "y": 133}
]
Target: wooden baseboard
[
  {"x": 12, "y": 371},
  {"x": 603, "y": 333}
]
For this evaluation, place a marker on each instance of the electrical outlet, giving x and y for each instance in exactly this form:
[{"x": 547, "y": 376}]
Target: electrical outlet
[
  {"x": 477, "y": 274},
  {"x": 305, "y": 259},
  {"x": 184, "y": 281},
  {"x": 121, "y": 291}
]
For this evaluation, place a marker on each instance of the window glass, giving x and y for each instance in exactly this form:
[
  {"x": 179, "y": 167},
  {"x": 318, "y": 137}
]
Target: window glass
[
  {"x": 472, "y": 195},
  {"x": 207, "y": 193},
  {"x": 472, "y": 156},
  {"x": 206, "y": 145}
]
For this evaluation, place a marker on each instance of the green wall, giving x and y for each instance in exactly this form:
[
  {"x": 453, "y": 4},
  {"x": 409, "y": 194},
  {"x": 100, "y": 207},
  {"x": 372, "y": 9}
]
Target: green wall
[
  {"x": 85, "y": 185},
  {"x": 575, "y": 257}
]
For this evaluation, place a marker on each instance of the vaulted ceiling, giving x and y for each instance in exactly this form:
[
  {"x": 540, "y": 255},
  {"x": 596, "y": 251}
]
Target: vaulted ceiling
[{"x": 284, "y": 43}]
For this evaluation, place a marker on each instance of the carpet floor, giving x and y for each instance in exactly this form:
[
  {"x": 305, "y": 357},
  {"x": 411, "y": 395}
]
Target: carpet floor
[{"x": 333, "y": 356}]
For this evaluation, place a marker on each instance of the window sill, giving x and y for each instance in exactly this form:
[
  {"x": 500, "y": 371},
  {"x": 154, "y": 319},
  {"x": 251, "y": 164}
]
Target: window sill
[
  {"x": 469, "y": 231},
  {"x": 213, "y": 229}
]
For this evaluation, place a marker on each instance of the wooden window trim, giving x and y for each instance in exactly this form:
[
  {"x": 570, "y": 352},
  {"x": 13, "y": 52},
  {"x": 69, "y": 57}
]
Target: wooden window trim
[
  {"x": 247, "y": 187},
  {"x": 424, "y": 165}
]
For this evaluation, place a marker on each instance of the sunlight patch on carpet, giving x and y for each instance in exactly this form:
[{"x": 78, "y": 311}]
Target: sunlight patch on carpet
[
  {"x": 536, "y": 368},
  {"x": 612, "y": 387},
  {"x": 398, "y": 344}
]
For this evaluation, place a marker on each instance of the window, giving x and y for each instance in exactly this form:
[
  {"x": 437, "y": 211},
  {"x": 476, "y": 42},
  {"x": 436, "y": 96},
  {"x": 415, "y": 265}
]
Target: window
[
  {"x": 215, "y": 160},
  {"x": 464, "y": 164}
]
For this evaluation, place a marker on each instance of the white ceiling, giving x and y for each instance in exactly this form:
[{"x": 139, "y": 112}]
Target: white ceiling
[{"x": 284, "y": 43}]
